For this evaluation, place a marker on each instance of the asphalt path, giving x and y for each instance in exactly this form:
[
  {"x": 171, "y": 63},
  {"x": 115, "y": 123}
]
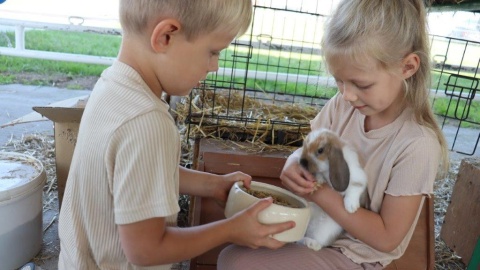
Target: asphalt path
[{"x": 17, "y": 101}]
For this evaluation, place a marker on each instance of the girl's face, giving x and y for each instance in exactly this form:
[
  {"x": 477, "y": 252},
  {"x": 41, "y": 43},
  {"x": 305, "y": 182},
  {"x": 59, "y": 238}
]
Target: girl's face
[{"x": 370, "y": 89}]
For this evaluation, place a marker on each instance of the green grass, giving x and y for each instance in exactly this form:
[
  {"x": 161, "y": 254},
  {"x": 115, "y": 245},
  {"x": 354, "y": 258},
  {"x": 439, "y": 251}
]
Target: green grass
[
  {"x": 274, "y": 61},
  {"x": 458, "y": 109},
  {"x": 261, "y": 60},
  {"x": 441, "y": 79},
  {"x": 59, "y": 41}
]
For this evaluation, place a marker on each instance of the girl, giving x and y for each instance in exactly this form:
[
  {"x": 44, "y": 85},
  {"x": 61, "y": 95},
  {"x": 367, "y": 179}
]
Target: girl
[{"x": 378, "y": 53}]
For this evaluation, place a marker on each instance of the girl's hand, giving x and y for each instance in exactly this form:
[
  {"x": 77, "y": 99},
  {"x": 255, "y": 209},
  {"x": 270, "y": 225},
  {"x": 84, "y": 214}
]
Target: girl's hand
[
  {"x": 296, "y": 178},
  {"x": 247, "y": 231},
  {"x": 223, "y": 187}
]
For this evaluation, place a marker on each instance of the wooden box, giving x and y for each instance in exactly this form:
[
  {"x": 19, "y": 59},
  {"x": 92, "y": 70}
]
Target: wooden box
[
  {"x": 222, "y": 157},
  {"x": 461, "y": 227}
]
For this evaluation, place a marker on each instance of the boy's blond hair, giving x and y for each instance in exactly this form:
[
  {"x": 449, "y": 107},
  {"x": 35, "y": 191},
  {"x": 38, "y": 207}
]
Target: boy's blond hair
[
  {"x": 387, "y": 31},
  {"x": 196, "y": 16}
]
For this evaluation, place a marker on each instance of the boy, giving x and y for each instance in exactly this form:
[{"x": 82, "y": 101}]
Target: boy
[{"x": 121, "y": 200}]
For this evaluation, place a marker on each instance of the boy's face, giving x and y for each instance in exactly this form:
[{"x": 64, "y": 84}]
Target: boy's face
[
  {"x": 370, "y": 89},
  {"x": 190, "y": 61}
]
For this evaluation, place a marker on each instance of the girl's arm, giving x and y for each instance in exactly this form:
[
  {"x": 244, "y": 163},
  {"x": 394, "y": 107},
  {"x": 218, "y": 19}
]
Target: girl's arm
[{"x": 383, "y": 231}]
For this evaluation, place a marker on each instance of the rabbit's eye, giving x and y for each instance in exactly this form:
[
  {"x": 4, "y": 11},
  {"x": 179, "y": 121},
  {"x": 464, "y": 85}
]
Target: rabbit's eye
[{"x": 320, "y": 151}]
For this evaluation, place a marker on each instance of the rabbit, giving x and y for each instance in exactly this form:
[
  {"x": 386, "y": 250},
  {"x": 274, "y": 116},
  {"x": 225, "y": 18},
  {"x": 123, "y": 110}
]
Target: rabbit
[{"x": 335, "y": 163}]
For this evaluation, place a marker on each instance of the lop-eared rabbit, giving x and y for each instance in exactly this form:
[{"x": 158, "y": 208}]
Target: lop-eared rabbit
[{"x": 335, "y": 163}]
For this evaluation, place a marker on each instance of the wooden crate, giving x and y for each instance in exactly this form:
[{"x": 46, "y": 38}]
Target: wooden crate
[
  {"x": 222, "y": 157},
  {"x": 461, "y": 227}
]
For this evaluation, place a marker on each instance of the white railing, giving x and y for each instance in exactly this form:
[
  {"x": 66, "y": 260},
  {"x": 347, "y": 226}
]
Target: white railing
[{"x": 19, "y": 49}]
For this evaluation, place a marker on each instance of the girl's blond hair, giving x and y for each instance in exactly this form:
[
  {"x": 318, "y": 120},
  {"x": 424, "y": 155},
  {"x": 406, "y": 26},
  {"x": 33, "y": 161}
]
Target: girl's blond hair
[
  {"x": 388, "y": 31},
  {"x": 196, "y": 17}
]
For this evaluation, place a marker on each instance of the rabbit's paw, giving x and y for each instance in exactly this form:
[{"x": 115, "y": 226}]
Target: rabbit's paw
[
  {"x": 311, "y": 243},
  {"x": 352, "y": 203}
]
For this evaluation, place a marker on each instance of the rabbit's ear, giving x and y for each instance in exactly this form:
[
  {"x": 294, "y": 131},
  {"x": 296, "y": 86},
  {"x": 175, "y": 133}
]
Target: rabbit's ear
[{"x": 339, "y": 171}]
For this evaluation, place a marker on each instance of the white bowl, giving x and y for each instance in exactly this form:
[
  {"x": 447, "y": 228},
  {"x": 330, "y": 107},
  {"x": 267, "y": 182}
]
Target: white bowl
[{"x": 239, "y": 199}]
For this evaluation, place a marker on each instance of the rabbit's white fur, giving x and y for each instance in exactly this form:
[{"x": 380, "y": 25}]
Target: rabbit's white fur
[{"x": 332, "y": 162}]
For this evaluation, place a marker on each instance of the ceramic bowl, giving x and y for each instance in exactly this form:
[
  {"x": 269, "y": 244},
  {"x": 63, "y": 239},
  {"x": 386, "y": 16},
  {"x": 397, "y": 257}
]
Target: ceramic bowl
[{"x": 297, "y": 209}]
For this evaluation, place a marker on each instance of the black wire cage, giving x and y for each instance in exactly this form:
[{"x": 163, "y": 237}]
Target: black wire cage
[{"x": 272, "y": 81}]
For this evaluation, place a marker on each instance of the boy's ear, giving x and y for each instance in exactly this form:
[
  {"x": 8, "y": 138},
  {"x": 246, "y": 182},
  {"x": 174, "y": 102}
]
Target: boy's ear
[
  {"x": 410, "y": 65},
  {"x": 162, "y": 34}
]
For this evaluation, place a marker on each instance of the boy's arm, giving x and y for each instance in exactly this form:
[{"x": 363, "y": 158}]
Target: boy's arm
[
  {"x": 151, "y": 242},
  {"x": 205, "y": 184},
  {"x": 197, "y": 183}
]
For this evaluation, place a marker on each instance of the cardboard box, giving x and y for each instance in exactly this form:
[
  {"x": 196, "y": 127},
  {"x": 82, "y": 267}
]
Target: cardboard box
[{"x": 66, "y": 123}]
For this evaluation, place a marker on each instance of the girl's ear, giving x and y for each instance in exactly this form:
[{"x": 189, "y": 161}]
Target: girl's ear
[
  {"x": 163, "y": 33},
  {"x": 410, "y": 65}
]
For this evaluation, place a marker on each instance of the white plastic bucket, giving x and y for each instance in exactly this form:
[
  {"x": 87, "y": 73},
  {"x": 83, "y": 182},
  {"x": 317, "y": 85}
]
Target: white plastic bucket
[{"x": 22, "y": 178}]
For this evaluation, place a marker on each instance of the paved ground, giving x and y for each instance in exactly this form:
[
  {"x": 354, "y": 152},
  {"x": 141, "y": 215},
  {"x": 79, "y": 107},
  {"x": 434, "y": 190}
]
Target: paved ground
[{"x": 17, "y": 100}]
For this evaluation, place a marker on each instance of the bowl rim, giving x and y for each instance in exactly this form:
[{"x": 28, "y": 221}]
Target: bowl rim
[{"x": 305, "y": 205}]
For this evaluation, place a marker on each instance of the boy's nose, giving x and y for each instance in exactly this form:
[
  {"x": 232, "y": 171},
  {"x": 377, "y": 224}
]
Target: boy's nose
[
  {"x": 213, "y": 66},
  {"x": 348, "y": 93}
]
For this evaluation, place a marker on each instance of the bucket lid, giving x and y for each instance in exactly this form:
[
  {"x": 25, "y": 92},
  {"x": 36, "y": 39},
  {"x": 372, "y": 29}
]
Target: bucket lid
[{"x": 19, "y": 173}]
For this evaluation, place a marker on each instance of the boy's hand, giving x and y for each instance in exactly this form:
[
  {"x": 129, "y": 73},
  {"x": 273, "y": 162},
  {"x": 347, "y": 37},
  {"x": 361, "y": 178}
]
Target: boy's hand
[
  {"x": 226, "y": 183},
  {"x": 247, "y": 231}
]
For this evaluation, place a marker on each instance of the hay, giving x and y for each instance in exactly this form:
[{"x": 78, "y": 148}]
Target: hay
[
  {"x": 236, "y": 116},
  {"x": 41, "y": 147}
]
